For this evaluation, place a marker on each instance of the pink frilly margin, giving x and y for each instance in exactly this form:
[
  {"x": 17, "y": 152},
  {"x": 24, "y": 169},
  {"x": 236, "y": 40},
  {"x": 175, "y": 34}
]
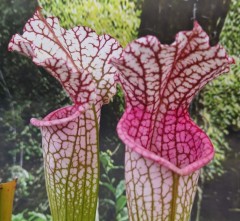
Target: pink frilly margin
[
  {"x": 164, "y": 148},
  {"x": 77, "y": 58}
]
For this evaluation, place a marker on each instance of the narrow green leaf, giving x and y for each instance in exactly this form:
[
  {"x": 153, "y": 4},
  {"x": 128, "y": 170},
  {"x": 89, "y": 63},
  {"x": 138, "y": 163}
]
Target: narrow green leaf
[
  {"x": 109, "y": 186},
  {"x": 121, "y": 203},
  {"x": 108, "y": 201},
  {"x": 120, "y": 189}
]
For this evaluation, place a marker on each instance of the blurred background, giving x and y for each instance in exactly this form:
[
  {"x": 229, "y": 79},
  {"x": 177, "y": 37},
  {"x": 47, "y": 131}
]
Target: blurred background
[{"x": 27, "y": 91}]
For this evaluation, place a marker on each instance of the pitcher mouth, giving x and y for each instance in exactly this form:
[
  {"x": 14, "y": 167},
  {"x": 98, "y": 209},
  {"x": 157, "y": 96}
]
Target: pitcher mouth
[
  {"x": 59, "y": 116},
  {"x": 207, "y": 153}
]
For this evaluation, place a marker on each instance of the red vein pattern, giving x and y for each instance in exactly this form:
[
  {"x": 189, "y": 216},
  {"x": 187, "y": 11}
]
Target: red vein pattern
[
  {"x": 70, "y": 150},
  {"x": 164, "y": 148},
  {"x": 78, "y": 59},
  {"x": 156, "y": 193}
]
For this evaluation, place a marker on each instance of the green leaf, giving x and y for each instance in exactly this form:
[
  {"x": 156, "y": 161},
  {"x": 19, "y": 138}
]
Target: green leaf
[
  {"x": 37, "y": 216},
  {"x": 18, "y": 217},
  {"x": 121, "y": 203},
  {"x": 120, "y": 189},
  {"x": 108, "y": 186},
  {"x": 108, "y": 201}
]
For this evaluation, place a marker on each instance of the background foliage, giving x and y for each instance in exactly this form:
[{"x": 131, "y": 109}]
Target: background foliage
[
  {"x": 24, "y": 92},
  {"x": 118, "y": 18},
  {"x": 219, "y": 102},
  {"x": 27, "y": 91}
]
